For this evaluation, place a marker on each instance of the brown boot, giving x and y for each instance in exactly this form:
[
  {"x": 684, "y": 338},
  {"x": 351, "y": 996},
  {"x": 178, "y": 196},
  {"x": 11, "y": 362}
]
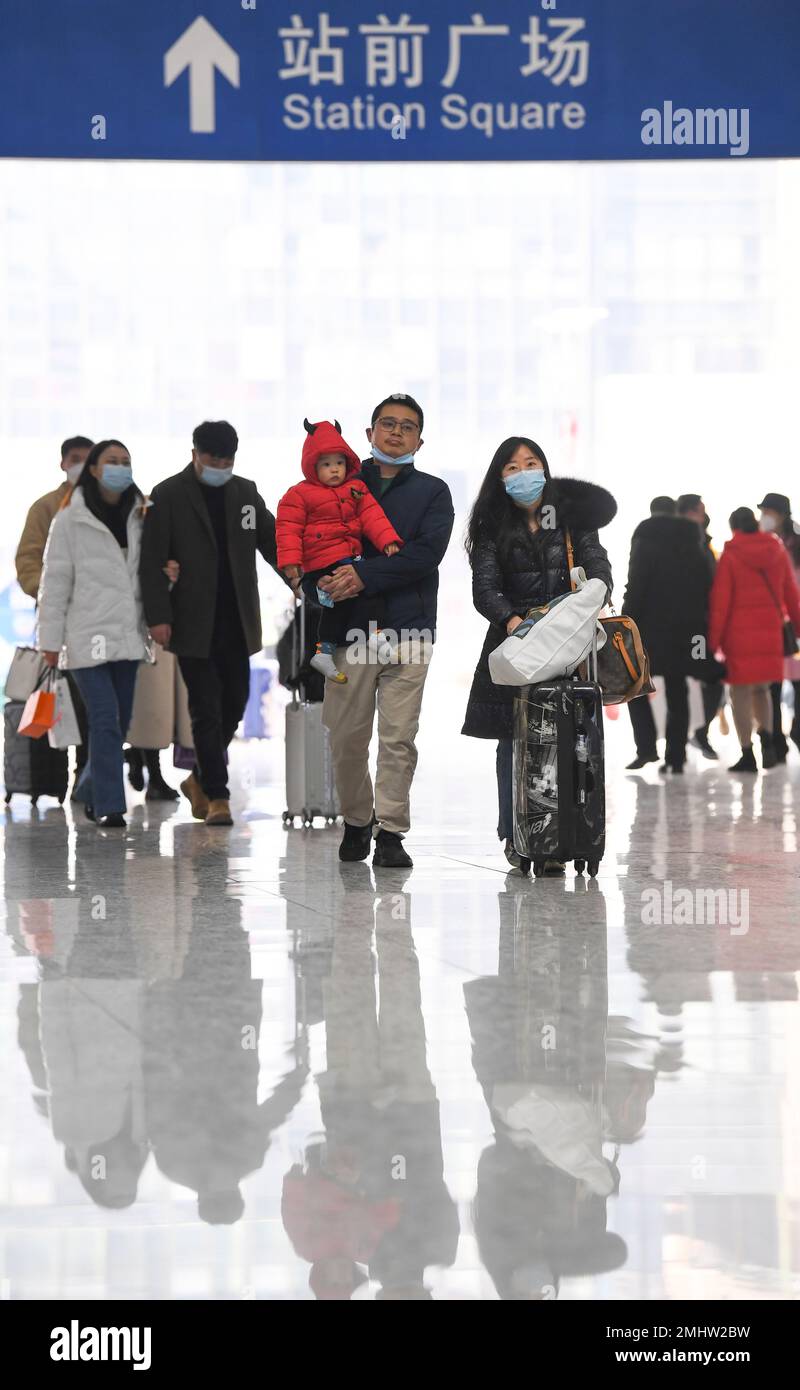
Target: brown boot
[
  {"x": 194, "y": 793},
  {"x": 219, "y": 813}
]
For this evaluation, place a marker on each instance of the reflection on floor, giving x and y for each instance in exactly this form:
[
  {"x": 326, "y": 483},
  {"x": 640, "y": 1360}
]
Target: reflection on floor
[{"x": 234, "y": 1068}]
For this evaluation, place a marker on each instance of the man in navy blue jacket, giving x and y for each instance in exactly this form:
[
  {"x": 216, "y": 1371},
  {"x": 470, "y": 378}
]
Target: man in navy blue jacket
[{"x": 420, "y": 508}]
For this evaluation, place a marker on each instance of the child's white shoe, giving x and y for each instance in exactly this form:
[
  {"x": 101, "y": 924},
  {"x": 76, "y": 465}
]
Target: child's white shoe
[{"x": 325, "y": 664}]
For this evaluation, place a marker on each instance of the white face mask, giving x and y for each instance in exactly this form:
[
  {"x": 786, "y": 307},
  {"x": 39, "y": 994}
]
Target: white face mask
[
  {"x": 768, "y": 523},
  {"x": 74, "y": 473}
]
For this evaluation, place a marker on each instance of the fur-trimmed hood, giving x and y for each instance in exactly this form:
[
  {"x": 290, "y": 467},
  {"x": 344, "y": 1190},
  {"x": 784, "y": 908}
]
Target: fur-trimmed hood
[{"x": 580, "y": 505}]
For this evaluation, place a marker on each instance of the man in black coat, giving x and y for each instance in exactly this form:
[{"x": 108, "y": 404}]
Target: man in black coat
[
  {"x": 212, "y": 523},
  {"x": 692, "y": 506},
  {"x": 420, "y": 508},
  {"x": 669, "y": 579}
]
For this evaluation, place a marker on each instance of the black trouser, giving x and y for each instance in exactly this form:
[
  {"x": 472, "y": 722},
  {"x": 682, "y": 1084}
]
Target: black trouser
[
  {"x": 644, "y": 725},
  {"x": 218, "y": 686},
  {"x": 777, "y": 714},
  {"x": 335, "y": 622},
  {"x": 713, "y": 692},
  {"x": 81, "y": 749}
]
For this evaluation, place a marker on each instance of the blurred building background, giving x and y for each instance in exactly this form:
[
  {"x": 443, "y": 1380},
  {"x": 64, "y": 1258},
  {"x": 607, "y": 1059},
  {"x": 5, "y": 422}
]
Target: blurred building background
[{"x": 638, "y": 320}]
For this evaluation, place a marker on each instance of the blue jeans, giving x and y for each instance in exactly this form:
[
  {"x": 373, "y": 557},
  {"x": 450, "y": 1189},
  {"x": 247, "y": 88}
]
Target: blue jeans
[
  {"x": 107, "y": 690},
  {"x": 505, "y": 788}
]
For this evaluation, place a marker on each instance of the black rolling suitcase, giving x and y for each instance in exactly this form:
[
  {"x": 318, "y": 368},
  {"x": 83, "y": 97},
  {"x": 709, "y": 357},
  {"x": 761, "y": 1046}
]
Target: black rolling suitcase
[
  {"x": 559, "y": 774},
  {"x": 30, "y": 765}
]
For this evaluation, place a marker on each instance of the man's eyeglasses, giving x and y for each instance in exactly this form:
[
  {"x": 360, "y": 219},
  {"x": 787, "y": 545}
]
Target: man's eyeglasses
[{"x": 388, "y": 423}]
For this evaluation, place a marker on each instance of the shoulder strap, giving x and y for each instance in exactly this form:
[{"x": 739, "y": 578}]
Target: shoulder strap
[
  {"x": 570, "y": 557},
  {"x": 778, "y": 605}
]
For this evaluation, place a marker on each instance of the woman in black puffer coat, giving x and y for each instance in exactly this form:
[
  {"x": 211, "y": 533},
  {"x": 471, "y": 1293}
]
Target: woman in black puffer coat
[{"x": 518, "y": 564}]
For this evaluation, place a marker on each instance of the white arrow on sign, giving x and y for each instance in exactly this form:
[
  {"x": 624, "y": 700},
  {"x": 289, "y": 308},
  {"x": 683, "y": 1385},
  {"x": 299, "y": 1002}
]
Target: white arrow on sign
[{"x": 201, "y": 49}]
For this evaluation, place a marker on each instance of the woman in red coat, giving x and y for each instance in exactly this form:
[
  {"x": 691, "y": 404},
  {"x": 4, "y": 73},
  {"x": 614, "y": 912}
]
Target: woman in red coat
[{"x": 753, "y": 589}]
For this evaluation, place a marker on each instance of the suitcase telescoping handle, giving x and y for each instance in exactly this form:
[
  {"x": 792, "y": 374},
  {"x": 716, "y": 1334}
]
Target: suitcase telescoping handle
[
  {"x": 591, "y": 660},
  {"x": 591, "y": 666},
  {"x": 298, "y": 650}
]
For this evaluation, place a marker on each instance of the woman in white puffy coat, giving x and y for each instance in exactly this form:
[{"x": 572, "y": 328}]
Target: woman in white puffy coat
[{"x": 90, "y": 618}]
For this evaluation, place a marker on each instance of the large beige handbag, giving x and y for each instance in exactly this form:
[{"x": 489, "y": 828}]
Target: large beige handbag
[{"x": 160, "y": 705}]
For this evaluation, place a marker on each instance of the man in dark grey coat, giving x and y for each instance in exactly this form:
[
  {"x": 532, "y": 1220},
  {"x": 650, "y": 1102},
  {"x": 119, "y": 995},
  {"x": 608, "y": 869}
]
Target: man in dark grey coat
[
  {"x": 669, "y": 579},
  {"x": 212, "y": 523}
]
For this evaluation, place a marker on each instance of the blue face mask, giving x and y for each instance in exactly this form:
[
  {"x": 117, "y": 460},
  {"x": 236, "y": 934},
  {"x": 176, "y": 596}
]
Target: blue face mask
[
  {"x": 215, "y": 477},
  {"x": 116, "y": 477},
  {"x": 525, "y": 487},
  {"x": 381, "y": 457}
]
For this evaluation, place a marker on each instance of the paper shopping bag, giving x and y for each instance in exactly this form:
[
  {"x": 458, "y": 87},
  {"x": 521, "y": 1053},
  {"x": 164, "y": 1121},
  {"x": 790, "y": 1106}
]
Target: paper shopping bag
[
  {"x": 65, "y": 732},
  {"x": 26, "y": 670},
  {"x": 39, "y": 713}
]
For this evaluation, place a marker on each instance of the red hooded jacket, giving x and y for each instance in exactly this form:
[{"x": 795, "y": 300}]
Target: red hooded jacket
[
  {"x": 316, "y": 525},
  {"x": 753, "y": 587}
]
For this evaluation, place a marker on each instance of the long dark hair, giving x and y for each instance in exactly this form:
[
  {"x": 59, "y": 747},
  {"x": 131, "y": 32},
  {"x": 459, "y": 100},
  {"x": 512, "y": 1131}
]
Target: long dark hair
[
  {"x": 788, "y": 533},
  {"x": 91, "y": 487},
  {"x": 494, "y": 515}
]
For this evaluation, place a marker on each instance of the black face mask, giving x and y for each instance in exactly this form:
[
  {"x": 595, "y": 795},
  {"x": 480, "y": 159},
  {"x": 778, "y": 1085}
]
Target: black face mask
[{"x": 706, "y": 521}]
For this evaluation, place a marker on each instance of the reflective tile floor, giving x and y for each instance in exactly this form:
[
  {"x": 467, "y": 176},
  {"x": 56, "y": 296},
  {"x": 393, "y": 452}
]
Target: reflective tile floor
[{"x": 234, "y": 1068}]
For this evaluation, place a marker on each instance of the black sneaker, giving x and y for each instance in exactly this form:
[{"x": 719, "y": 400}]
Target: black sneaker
[
  {"x": 747, "y": 762},
  {"x": 133, "y": 757},
  {"x": 389, "y": 852},
  {"x": 700, "y": 740},
  {"x": 113, "y": 821},
  {"x": 641, "y": 762},
  {"x": 159, "y": 790},
  {"x": 769, "y": 757},
  {"x": 355, "y": 842}
]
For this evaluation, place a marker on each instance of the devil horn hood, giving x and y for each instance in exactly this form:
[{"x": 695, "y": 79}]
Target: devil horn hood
[{"x": 326, "y": 438}]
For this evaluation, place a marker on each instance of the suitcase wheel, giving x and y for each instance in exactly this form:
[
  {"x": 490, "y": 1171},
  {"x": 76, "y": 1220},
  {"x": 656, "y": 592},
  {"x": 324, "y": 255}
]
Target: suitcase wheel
[
  {"x": 34, "y": 800},
  {"x": 580, "y": 866},
  {"x": 525, "y": 866},
  {"x": 538, "y": 868},
  {"x": 287, "y": 819},
  {"x": 62, "y": 799},
  {"x": 594, "y": 865},
  {"x": 8, "y": 797}
]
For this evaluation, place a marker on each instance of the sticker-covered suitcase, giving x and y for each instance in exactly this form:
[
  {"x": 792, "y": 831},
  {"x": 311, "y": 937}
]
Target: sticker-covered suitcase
[
  {"x": 310, "y": 785},
  {"x": 559, "y": 775},
  {"x": 30, "y": 765}
]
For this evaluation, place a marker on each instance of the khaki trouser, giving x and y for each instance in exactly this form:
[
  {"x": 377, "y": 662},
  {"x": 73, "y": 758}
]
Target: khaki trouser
[
  {"x": 349, "y": 714},
  {"x": 747, "y": 702}
]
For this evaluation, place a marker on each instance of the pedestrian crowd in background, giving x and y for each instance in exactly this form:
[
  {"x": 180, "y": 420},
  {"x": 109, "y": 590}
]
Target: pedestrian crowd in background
[{"x": 149, "y": 607}]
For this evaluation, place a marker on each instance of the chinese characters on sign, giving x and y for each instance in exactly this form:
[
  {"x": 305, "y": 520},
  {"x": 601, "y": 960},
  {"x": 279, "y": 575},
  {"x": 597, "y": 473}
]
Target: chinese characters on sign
[{"x": 555, "y": 49}]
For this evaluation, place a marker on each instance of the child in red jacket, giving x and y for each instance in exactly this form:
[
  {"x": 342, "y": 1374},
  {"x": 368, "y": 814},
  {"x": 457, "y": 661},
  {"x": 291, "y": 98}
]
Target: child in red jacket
[{"x": 319, "y": 525}]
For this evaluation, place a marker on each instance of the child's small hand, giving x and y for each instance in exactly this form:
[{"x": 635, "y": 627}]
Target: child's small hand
[
  {"x": 392, "y": 549},
  {"x": 294, "y": 574}
]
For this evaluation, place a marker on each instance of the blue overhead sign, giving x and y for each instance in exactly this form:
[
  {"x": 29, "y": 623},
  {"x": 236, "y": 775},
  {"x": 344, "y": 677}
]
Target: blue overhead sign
[{"x": 356, "y": 80}]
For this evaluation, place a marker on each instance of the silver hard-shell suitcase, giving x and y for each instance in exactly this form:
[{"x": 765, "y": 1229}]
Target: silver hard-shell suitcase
[{"x": 310, "y": 786}]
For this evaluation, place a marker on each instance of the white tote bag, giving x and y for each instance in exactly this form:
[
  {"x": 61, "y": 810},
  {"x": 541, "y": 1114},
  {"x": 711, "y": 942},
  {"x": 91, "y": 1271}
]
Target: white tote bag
[
  {"x": 24, "y": 673},
  {"x": 65, "y": 733},
  {"x": 553, "y": 640}
]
